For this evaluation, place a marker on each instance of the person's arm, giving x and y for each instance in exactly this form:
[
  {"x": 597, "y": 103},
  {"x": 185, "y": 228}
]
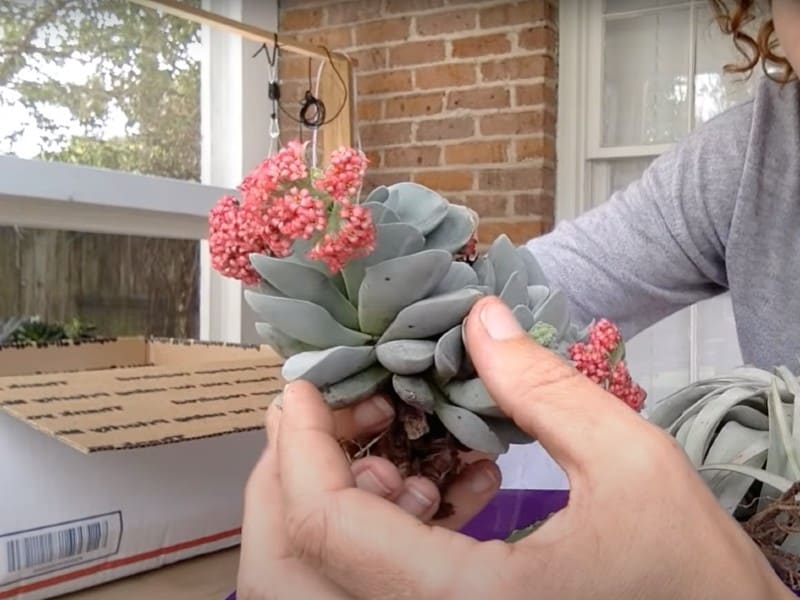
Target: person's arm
[{"x": 658, "y": 245}]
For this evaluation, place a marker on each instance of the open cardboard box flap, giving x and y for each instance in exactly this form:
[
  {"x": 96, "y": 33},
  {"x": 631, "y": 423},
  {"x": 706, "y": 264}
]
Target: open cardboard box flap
[{"x": 135, "y": 392}]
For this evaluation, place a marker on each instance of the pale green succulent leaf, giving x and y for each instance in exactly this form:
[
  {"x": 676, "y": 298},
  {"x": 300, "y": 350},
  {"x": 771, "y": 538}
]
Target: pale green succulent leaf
[
  {"x": 469, "y": 429},
  {"x": 304, "y": 283},
  {"x": 794, "y": 390},
  {"x": 667, "y": 412},
  {"x": 683, "y": 431},
  {"x": 508, "y": 431},
  {"x": 537, "y": 295},
  {"x": 554, "y": 310},
  {"x": 356, "y": 388},
  {"x": 782, "y": 457},
  {"x": 379, "y": 195},
  {"x": 391, "y": 286},
  {"x": 431, "y": 316},
  {"x": 448, "y": 355},
  {"x": 524, "y": 316},
  {"x": 414, "y": 391},
  {"x": 515, "y": 292},
  {"x": 747, "y": 416},
  {"x": 381, "y": 213},
  {"x": 533, "y": 269},
  {"x": 299, "y": 256},
  {"x": 485, "y": 272},
  {"x": 417, "y": 205},
  {"x": 472, "y": 395},
  {"x": 455, "y": 230},
  {"x": 506, "y": 260},
  {"x": 304, "y": 321},
  {"x": 406, "y": 357},
  {"x": 280, "y": 342},
  {"x": 326, "y": 367},
  {"x": 771, "y": 479},
  {"x": 459, "y": 275},
  {"x": 391, "y": 240}
]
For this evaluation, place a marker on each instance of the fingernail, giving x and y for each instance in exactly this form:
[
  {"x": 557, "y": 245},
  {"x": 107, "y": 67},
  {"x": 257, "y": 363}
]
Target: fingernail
[
  {"x": 500, "y": 322},
  {"x": 484, "y": 480},
  {"x": 369, "y": 482},
  {"x": 373, "y": 412},
  {"x": 414, "y": 501}
]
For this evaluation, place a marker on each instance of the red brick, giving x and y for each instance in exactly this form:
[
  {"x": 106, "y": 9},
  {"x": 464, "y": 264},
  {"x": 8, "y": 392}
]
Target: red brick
[
  {"x": 532, "y": 121},
  {"x": 374, "y": 158},
  {"x": 413, "y": 156},
  {"x": 293, "y": 67},
  {"x": 375, "y": 135},
  {"x": 380, "y": 32},
  {"x": 414, "y": 53},
  {"x": 384, "y": 82},
  {"x": 519, "y": 231},
  {"x": 369, "y": 110},
  {"x": 492, "y": 97},
  {"x": 447, "y": 22},
  {"x": 540, "y": 147},
  {"x": 537, "y": 38},
  {"x": 411, "y": 6},
  {"x": 514, "y": 178},
  {"x": 445, "y": 180},
  {"x": 483, "y": 45},
  {"x": 445, "y": 129},
  {"x": 488, "y": 205},
  {"x": 410, "y": 106},
  {"x": 374, "y": 179},
  {"x": 538, "y": 93},
  {"x": 353, "y": 12},
  {"x": 370, "y": 59},
  {"x": 518, "y": 67},
  {"x": 537, "y": 203},
  {"x": 294, "y": 20},
  {"x": 445, "y": 76},
  {"x": 476, "y": 152},
  {"x": 521, "y": 13},
  {"x": 334, "y": 39}
]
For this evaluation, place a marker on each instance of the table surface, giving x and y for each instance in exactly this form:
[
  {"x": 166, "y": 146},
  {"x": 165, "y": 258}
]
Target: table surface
[{"x": 209, "y": 577}]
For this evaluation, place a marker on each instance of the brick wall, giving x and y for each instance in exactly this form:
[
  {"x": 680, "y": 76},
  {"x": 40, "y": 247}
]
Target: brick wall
[{"x": 456, "y": 95}]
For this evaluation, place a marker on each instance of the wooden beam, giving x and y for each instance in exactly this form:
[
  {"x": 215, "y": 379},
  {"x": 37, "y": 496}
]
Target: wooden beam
[{"x": 204, "y": 17}]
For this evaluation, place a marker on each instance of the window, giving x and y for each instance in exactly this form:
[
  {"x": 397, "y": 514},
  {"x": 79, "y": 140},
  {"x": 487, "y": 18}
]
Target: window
[
  {"x": 107, "y": 112},
  {"x": 635, "y": 76}
]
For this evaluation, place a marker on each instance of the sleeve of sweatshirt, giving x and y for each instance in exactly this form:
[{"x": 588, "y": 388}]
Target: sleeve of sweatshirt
[{"x": 658, "y": 245}]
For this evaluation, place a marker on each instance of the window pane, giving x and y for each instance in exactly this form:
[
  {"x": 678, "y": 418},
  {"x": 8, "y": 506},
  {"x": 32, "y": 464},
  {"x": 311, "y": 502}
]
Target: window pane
[
  {"x": 716, "y": 91},
  {"x": 646, "y": 60},
  {"x": 621, "y": 6},
  {"x": 124, "y": 285},
  {"x": 104, "y": 83}
]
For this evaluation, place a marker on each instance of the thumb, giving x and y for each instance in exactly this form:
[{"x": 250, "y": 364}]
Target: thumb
[{"x": 541, "y": 392}]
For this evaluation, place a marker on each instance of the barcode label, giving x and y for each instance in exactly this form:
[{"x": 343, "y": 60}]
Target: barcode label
[{"x": 29, "y": 553}]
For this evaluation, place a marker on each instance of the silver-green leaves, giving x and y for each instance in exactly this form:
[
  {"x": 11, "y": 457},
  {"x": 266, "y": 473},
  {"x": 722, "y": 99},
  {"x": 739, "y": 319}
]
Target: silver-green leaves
[{"x": 393, "y": 320}]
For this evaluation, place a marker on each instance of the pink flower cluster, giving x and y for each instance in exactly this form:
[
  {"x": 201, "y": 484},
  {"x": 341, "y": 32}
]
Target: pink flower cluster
[
  {"x": 284, "y": 201},
  {"x": 598, "y": 359}
]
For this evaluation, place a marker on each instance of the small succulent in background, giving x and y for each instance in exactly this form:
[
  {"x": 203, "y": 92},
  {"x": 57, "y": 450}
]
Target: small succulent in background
[
  {"x": 34, "y": 330},
  {"x": 8, "y": 327},
  {"x": 368, "y": 297}
]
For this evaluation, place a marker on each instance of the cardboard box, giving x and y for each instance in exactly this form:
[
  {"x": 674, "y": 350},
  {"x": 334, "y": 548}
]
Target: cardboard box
[{"x": 120, "y": 456}]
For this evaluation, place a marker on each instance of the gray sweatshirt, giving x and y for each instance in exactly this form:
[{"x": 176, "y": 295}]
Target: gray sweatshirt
[{"x": 720, "y": 211}]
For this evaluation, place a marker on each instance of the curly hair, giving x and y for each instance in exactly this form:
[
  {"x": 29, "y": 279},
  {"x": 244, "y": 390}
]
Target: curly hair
[{"x": 733, "y": 18}]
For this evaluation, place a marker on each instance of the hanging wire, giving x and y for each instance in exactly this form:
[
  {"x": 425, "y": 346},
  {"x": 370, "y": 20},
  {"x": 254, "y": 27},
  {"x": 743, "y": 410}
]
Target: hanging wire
[{"x": 274, "y": 92}]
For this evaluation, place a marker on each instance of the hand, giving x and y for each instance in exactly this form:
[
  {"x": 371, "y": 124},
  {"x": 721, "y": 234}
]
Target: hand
[
  {"x": 267, "y": 568},
  {"x": 640, "y": 523}
]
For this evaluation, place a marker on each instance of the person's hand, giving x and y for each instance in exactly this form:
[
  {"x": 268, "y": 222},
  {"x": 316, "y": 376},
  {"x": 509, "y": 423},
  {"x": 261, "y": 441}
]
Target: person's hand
[
  {"x": 267, "y": 568},
  {"x": 640, "y": 523}
]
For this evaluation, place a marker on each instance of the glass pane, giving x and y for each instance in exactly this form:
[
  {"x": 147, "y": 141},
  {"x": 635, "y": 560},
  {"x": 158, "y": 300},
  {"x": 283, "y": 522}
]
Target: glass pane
[
  {"x": 104, "y": 83},
  {"x": 123, "y": 285},
  {"x": 621, "y": 6},
  {"x": 645, "y": 91},
  {"x": 716, "y": 91}
]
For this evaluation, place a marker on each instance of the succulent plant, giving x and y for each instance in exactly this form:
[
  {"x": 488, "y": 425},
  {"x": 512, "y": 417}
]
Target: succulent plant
[
  {"x": 392, "y": 320},
  {"x": 8, "y": 327},
  {"x": 742, "y": 432}
]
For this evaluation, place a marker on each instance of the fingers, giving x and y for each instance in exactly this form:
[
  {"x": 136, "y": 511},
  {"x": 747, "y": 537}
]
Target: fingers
[
  {"x": 471, "y": 491},
  {"x": 370, "y": 416},
  {"x": 540, "y": 391},
  {"x": 369, "y": 547}
]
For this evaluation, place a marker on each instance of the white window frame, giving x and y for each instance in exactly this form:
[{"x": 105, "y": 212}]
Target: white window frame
[
  {"x": 234, "y": 126},
  {"x": 579, "y": 131}
]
